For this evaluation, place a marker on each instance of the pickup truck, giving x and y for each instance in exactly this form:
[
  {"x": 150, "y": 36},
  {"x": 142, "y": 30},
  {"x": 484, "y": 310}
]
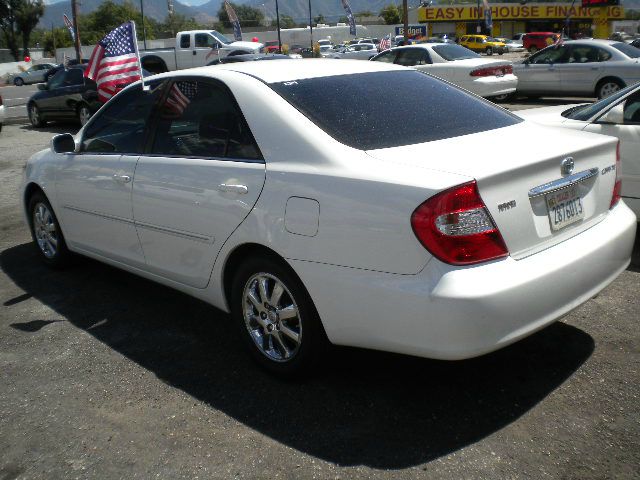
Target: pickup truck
[{"x": 194, "y": 48}]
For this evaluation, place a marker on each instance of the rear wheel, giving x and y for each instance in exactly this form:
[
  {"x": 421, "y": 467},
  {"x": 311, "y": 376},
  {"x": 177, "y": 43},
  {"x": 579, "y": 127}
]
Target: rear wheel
[
  {"x": 18, "y": 82},
  {"x": 489, "y": 51},
  {"x": 35, "y": 117},
  {"x": 503, "y": 98},
  {"x": 608, "y": 86},
  {"x": 46, "y": 232},
  {"x": 84, "y": 114},
  {"x": 277, "y": 319}
]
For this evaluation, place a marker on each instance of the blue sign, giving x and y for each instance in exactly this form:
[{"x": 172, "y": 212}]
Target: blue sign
[{"x": 414, "y": 31}]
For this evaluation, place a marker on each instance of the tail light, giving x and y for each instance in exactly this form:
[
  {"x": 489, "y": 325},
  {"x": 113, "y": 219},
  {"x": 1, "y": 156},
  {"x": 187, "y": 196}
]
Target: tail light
[
  {"x": 617, "y": 188},
  {"x": 455, "y": 226},
  {"x": 492, "y": 71}
]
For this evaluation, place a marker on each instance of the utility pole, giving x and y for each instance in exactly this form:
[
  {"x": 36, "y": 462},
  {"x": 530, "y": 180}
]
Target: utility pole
[
  {"x": 405, "y": 20},
  {"x": 479, "y": 27},
  {"x": 278, "y": 25},
  {"x": 74, "y": 14},
  {"x": 53, "y": 37},
  {"x": 144, "y": 32},
  {"x": 310, "y": 26}
]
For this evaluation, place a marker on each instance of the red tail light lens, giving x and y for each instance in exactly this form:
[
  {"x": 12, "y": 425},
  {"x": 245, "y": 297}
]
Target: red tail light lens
[
  {"x": 492, "y": 71},
  {"x": 617, "y": 188},
  {"x": 455, "y": 226}
]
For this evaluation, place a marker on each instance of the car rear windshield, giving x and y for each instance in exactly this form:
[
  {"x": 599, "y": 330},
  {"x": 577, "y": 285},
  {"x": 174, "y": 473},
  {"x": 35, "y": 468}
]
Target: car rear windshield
[
  {"x": 454, "y": 52},
  {"x": 628, "y": 50},
  {"x": 389, "y": 109}
]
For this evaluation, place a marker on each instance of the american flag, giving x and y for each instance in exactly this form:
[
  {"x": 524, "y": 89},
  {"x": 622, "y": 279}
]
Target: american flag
[
  {"x": 385, "y": 43},
  {"x": 180, "y": 96},
  {"x": 114, "y": 62}
]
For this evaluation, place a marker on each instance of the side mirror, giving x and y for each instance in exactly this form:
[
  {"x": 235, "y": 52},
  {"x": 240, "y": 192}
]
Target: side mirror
[
  {"x": 42, "y": 86},
  {"x": 63, "y": 143},
  {"x": 614, "y": 116}
]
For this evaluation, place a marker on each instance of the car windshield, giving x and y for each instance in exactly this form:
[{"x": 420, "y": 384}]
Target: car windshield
[
  {"x": 451, "y": 51},
  {"x": 221, "y": 38},
  {"x": 585, "y": 112},
  {"x": 628, "y": 50},
  {"x": 358, "y": 118}
]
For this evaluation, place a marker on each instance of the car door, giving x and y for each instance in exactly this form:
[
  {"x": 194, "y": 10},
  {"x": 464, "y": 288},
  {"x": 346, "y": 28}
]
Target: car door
[
  {"x": 184, "y": 54},
  {"x": 47, "y": 101},
  {"x": 65, "y": 98},
  {"x": 629, "y": 135},
  {"x": 583, "y": 68},
  {"x": 540, "y": 73},
  {"x": 197, "y": 183},
  {"x": 206, "y": 48},
  {"x": 94, "y": 185}
]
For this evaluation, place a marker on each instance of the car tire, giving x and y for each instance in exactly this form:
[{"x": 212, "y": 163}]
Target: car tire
[
  {"x": 501, "y": 52},
  {"x": 533, "y": 49},
  {"x": 35, "y": 116},
  {"x": 18, "y": 82},
  {"x": 608, "y": 86},
  {"x": 288, "y": 347},
  {"x": 83, "y": 114},
  {"x": 503, "y": 98},
  {"x": 46, "y": 232},
  {"x": 489, "y": 51}
]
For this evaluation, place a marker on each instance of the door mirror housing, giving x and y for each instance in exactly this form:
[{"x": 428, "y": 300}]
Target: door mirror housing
[
  {"x": 614, "y": 116},
  {"x": 42, "y": 86},
  {"x": 63, "y": 143}
]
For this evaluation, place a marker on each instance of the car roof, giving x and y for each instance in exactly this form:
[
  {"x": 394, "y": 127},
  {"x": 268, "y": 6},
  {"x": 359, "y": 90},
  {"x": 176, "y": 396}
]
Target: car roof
[{"x": 289, "y": 70}]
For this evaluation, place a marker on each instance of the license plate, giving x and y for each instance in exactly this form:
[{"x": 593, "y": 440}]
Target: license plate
[{"x": 564, "y": 207}]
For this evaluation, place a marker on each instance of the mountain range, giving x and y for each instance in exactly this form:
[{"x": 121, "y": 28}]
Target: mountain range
[{"x": 207, "y": 12}]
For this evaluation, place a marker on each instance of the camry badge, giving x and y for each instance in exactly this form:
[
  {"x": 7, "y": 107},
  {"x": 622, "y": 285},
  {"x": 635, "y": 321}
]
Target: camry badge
[{"x": 566, "y": 166}]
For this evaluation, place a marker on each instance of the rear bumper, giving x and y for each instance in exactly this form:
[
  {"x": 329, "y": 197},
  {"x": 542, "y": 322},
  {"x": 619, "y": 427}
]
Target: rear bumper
[
  {"x": 492, "y": 86},
  {"x": 452, "y": 313}
]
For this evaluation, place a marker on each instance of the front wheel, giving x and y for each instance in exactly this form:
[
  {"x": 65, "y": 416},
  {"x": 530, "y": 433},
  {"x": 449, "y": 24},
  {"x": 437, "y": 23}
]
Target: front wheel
[
  {"x": 277, "y": 319},
  {"x": 18, "y": 82},
  {"x": 46, "y": 232},
  {"x": 608, "y": 87},
  {"x": 35, "y": 117}
]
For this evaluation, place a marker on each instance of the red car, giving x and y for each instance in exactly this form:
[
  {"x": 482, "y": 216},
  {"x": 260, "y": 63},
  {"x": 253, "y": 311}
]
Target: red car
[
  {"x": 535, "y": 41},
  {"x": 271, "y": 47}
]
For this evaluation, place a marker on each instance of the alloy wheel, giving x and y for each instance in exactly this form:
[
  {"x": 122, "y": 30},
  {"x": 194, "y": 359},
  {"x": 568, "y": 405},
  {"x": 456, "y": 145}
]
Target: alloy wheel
[
  {"x": 34, "y": 115},
  {"x": 608, "y": 88},
  {"x": 272, "y": 317},
  {"x": 44, "y": 227}
]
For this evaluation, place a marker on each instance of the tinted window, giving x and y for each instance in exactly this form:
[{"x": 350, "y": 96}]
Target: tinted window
[
  {"x": 558, "y": 54},
  {"x": 56, "y": 80},
  {"x": 584, "y": 54},
  {"x": 585, "y": 112},
  {"x": 628, "y": 50},
  {"x": 185, "y": 40},
  {"x": 454, "y": 52},
  {"x": 632, "y": 109},
  {"x": 396, "y": 108},
  {"x": 409, "y": 57},
  {"x": 199, "y": 119},
  {"x": 74, "y": 77},
  {"x": 387, "y": 57},
  {"x": 204, "y": 40},
  {"x": 120, "y": 128}
]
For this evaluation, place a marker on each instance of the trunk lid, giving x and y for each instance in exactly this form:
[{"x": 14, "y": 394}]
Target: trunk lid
[{"x": 518, "y": 172}]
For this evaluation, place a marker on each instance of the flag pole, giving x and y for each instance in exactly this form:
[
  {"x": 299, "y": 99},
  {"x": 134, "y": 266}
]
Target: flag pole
[{"x": 145, "y": 88}]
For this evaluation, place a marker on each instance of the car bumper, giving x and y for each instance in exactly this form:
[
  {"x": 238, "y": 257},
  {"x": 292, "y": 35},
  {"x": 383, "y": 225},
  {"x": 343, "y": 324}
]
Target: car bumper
[
  {"x": 492, "y": 86},
  {"x": 452, "y": 313}
]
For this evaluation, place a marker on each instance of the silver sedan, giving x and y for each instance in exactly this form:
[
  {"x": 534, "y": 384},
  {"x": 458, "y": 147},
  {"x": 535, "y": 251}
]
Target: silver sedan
[
  {"x": 34, "y": 74},
  {"x": 580, "y": 67},
  {"x": 359, "y": 51}
]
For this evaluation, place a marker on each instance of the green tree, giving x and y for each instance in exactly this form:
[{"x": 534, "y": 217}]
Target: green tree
[
  {"x": 285, "y": 22},
  {"x": 248, "y": 16},
  {"x": 176, "y": 23},
  {"x": 391, "y": 14},
  {"x": 8, "y": 12},
  {"x": 27, "y": 17},
  {"x": 94, "y": 26},
  {"x": 319, "y": 19},
  {"x": 46, "y": 39}
]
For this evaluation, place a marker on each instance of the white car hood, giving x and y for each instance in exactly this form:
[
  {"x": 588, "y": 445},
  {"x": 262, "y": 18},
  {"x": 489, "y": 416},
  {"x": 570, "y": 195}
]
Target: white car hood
[{"x": 247, "y": 45}]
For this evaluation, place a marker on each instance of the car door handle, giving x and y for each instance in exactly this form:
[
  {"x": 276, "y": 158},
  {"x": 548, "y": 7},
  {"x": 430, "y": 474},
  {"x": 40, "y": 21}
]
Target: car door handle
[
  {"x": 121, "y": 178},
  {"x": 223, "y": 187},
  {"x": 194, "y": 52}
]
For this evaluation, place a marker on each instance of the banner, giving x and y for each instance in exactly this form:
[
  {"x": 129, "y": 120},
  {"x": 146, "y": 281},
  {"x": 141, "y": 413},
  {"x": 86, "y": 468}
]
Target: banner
[
  {"x": 69, "y": 25},
  {"x": 352, "y": 21},
  {"x": 233, "y": 18},
  {"x": 487, "y": 15}
]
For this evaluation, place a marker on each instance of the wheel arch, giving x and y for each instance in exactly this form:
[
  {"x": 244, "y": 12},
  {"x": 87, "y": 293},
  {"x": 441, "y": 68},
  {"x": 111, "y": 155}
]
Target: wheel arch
[
  {"x": 154, "y": 64},
  {"x": 30, "y": 189}
]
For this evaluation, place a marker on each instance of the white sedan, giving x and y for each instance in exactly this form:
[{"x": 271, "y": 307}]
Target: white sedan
[
  {"x": 358, "y": 51},
  {"x": 618, "y": 116},
  {"x": 1, "y": 112},
  {"x": 458, "y": 65},
  {"x": 318, "y": 219}
]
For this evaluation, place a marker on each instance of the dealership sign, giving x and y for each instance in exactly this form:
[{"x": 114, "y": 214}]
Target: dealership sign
[
  {"x": 510, "y": 11},
  {"x": 414, "y": 31}
]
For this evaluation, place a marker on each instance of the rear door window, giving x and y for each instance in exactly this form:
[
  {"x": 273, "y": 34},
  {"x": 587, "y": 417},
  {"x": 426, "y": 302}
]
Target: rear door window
[
  {"x": 185, "y": 40},
  {"x": 396, "y": 108},
  {"x": 409, "y": 57},
  {"x": 387, "y": 57}
]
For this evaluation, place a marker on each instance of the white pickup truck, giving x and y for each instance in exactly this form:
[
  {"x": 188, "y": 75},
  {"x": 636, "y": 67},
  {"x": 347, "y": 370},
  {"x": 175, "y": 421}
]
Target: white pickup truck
[{"x": 194, "y": 48}]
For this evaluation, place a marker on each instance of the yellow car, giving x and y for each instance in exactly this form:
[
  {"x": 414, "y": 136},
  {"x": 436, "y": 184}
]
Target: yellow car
[{"x": 483, "y": 43}]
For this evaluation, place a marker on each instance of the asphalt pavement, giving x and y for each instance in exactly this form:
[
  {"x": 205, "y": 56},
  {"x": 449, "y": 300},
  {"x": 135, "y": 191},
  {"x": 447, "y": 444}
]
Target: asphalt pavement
[{"x": 15, "y": 102}]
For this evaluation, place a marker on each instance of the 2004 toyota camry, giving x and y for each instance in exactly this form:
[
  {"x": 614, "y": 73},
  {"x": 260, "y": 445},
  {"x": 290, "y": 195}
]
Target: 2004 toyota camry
[{"x": 333, "y": 202}]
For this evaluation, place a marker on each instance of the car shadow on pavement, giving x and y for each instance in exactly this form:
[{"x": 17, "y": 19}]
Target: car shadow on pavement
[{"x": 363, "y": 408}]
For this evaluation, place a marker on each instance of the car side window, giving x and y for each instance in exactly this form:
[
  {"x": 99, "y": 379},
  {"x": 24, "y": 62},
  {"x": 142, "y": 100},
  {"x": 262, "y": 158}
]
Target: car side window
[
  {"x": 409, "y": 57},
  {"x": 387, "y": 57},
  {"x": 74, "y": 77},
  {"x": 632, "y": 109},
  {"x": 201, "y": 119},
  {"x": 55, "y": 81},
  {"x": 584, "y": 54},
  {"x": 204, "y": 40},
  {"x": 185, "y": 40},
  {"x": 121, "y": 127},
  {"x": 551, "y": 55}
]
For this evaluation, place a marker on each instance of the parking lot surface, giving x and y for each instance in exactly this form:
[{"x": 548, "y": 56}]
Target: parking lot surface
[{"x": 106, "y": 375}]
